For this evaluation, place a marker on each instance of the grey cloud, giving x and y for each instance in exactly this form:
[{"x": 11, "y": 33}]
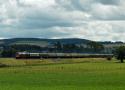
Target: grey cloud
[
  {"x": 109, "y": 2},
  {"x": 98, "y": 9},
  {"x": 90, "y": 19},
  {"x": 37, "y": 24},
  {"x": 104, "y": 12},
  {"x": 74, "y": 4}
]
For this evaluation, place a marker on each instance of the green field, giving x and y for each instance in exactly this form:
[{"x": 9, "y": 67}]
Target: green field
[{"x": 73, "y": 74}]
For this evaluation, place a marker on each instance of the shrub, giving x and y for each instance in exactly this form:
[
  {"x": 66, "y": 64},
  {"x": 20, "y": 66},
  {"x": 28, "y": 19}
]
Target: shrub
[{"x": 3, "y": 65}]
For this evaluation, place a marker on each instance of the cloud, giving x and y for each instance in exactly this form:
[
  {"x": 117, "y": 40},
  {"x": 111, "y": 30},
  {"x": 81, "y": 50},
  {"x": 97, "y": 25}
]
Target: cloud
[
  {"x": 109, "y": 2},
  {"x": 90, "y": 19}
]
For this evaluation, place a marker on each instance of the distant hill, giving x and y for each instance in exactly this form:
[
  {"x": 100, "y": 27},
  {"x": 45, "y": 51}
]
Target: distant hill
[
  {"x": 38, "y": 41},
  {"x": 46, "y": 42},
  {"x": 67, "y": 45}
]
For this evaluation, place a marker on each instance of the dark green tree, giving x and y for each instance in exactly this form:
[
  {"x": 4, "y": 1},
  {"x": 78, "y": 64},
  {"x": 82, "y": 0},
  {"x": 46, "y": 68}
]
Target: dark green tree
[
  {"x": 8, "y": 53},
  {"x": 120, "y": 53},
  {"x": 94, "y": 46},
  {"x": 58, "y": 46}
]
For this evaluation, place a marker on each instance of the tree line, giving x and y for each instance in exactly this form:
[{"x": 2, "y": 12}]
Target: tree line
[
  {"x": 57, "y": 47},
  {"x": 91, "y": 47}
]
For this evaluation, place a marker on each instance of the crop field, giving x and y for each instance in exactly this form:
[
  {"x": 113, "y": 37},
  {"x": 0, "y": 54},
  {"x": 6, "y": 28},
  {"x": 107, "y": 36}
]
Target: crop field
[{"x": 62, "y": 74}]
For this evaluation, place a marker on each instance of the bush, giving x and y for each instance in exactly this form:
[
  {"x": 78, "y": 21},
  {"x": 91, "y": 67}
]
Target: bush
[
  {"x": 3, "y": 65},
  {"x": 120, "y": 53},
  {"x": 109, "y": 58}
]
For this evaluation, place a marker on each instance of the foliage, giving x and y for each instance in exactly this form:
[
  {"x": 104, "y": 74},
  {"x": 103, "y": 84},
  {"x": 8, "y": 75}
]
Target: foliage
[
  {"x": 26, "y": 47},
  {"x": 57, "y": 46},
  {"x": 96, "y": 47},
  {"x": 8, "y": 53},
  {"x": 120, "y": 53},
  {"x": 3, "y": 65}
]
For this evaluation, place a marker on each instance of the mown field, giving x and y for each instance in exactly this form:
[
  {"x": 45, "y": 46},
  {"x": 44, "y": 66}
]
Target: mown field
[{"x": 73, "y": 74}]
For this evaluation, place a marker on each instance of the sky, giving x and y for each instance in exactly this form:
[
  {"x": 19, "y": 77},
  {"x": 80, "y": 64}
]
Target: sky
[{"x": 98, "y": 20}]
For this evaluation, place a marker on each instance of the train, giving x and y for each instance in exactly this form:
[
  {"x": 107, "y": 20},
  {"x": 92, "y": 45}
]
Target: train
[{"x": 28, "y": 55}]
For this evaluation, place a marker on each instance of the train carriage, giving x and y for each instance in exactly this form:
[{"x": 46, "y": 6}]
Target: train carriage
[{"x": 27, "y": 55}]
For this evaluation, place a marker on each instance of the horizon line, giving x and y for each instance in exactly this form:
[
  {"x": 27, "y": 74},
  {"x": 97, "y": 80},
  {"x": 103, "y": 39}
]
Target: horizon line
[{"x": 62, "y": 38}]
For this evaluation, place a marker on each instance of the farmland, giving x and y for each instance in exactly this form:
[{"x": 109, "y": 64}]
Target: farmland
[{"x": 58, "y": 74}]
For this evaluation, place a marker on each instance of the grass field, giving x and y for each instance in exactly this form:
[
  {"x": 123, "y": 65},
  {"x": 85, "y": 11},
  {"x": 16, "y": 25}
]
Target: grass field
[{"x": 73, "y": 74}]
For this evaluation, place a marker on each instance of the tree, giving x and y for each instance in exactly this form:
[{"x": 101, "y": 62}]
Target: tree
[
  {"x": 95, "y": 46},
  {"x": 70, "y": 48},
  {"x": 9, "y": 53},
  {"x": 26, "y": 47},
  {"x": 120, "y": 53},
  {"x": 58, "y": 46}
]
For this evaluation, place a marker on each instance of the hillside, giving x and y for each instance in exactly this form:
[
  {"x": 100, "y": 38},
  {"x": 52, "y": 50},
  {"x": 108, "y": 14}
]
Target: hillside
[
  {"x": 67, "y": 45},
  {"x": 37, "y": 41}
]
